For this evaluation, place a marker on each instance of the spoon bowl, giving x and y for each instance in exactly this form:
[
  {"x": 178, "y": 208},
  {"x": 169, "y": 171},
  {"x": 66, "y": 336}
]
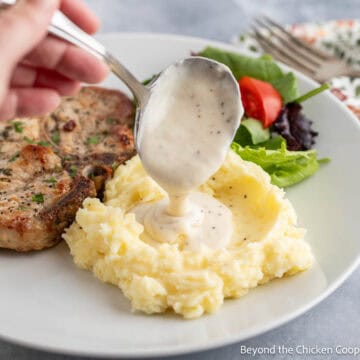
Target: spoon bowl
[
  {"x": 184, "y": 130},
  {"x": 223, "y": 84}
]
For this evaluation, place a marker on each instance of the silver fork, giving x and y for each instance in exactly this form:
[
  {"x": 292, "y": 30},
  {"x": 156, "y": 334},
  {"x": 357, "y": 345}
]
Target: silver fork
[{"x": 285, "y": 47}]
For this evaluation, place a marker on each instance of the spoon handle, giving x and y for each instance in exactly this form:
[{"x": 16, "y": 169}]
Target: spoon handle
[{"x": 64, "y": 28}]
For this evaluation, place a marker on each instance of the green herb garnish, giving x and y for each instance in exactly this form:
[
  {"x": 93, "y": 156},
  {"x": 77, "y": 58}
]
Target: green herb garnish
[
  {"x": 51, "y": 180},
  {"x": 92, "y": 140},
  {"x": 58, "y": 168},
  {"x": 28, "y": 140},
  {"x": 43, "y": 143},
  {"x": 73, "y": 171},
  {"x": 14, "y": 157},
  {"x": 110, "y": 121},
  {"x": 38, "y": 198},
  {"x": 18, "y": 126},
  {"x": 56, "y": 138}
]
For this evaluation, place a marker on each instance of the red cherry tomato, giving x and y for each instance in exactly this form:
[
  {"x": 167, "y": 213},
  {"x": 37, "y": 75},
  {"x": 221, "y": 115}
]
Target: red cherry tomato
[{"x": 260, "y": 99}]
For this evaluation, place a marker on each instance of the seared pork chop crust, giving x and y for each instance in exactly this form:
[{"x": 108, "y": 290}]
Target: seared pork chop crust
[
  {"x": 38, "y": 199},
  {"x": 49, "y": 165}
]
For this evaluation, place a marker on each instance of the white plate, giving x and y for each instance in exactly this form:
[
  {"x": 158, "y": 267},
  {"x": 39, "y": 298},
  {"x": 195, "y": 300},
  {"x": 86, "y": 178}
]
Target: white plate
[{"x": 47, "y": 303}]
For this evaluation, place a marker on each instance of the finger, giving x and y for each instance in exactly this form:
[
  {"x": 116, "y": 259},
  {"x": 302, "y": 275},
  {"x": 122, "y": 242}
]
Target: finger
[
  {"x": 28, "y": 102},
  {"x": 22, "y": 27},
  {"x": 81, "y": 15},
  {"x": 25, "y": 76},
  {"x": 68, "y": 60}
]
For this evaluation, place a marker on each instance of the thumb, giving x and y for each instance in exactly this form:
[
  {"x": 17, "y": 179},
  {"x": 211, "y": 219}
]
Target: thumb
[{"x": 22, "y": 27}]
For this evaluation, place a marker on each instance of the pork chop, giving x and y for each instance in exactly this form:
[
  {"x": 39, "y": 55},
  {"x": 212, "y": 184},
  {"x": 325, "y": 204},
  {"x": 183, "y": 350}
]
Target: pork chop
[
  {"x": 92, "y": 132},
  {"x": 49, "y": 165},
  {"x": 38, "y": 198}
]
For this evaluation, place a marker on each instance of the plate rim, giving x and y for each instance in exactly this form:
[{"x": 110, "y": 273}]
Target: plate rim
[{"x": 184, "y": 349}]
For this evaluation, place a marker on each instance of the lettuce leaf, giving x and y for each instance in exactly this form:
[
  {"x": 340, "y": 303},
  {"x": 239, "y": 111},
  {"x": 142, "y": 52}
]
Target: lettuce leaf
[
  {"x": 285, "y": 167},
  {"x": 273, "y": 143},
  {"x": 262, "y": 68},
  {"x": 287, "y": 86},
  {"x": 251, "y": 132}
]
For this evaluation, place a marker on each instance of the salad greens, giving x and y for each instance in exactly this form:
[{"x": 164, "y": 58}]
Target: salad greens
[
  {"x": 287, "y": 86},
  {"x": 295, "y": 127},
  {"x": 262, "y": 68},
  {"x": 150, "y": 79},
  {"x": 251, "y": 132},
  {"x": 312, "y": 93},
  {"x": 285, "y": 167},
  {"x": 254, "y": 143}
]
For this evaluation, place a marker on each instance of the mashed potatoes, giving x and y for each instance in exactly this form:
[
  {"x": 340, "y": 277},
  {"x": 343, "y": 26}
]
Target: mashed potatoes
[{"x": 266, "y": 243}]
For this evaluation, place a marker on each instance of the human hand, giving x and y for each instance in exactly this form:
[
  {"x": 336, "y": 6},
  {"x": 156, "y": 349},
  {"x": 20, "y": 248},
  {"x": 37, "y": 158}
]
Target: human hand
[{"x": 36, "y": 69}]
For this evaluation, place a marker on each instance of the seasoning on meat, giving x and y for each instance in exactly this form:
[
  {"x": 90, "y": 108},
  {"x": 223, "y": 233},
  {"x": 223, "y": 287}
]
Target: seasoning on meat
[{"x": 47, "y": 168}]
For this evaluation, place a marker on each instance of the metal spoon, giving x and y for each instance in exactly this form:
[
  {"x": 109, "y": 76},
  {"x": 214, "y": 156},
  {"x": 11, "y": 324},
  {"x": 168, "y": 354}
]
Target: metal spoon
[{"x": 64, "y": 28}]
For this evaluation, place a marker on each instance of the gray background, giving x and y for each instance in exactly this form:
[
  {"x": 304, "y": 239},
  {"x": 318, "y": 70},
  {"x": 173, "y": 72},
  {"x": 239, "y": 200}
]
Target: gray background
[{"x": 336, "y": 321}]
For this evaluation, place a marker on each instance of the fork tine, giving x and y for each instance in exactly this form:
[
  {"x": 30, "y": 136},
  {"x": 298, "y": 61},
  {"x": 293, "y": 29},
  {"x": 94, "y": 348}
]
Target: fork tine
[
  {"x": 311, "y": 49},
  {"x": 279, "y": 57},
  {"x": 278, "y": 52},
  {"x": 311, "y": 60}
]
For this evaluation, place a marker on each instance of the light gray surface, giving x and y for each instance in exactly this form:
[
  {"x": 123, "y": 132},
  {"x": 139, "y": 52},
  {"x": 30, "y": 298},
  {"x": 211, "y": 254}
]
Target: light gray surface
[{"x": 336, "y": 321}]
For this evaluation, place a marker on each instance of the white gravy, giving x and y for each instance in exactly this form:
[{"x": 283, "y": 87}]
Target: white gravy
[{"x": 184, "y": 136}]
